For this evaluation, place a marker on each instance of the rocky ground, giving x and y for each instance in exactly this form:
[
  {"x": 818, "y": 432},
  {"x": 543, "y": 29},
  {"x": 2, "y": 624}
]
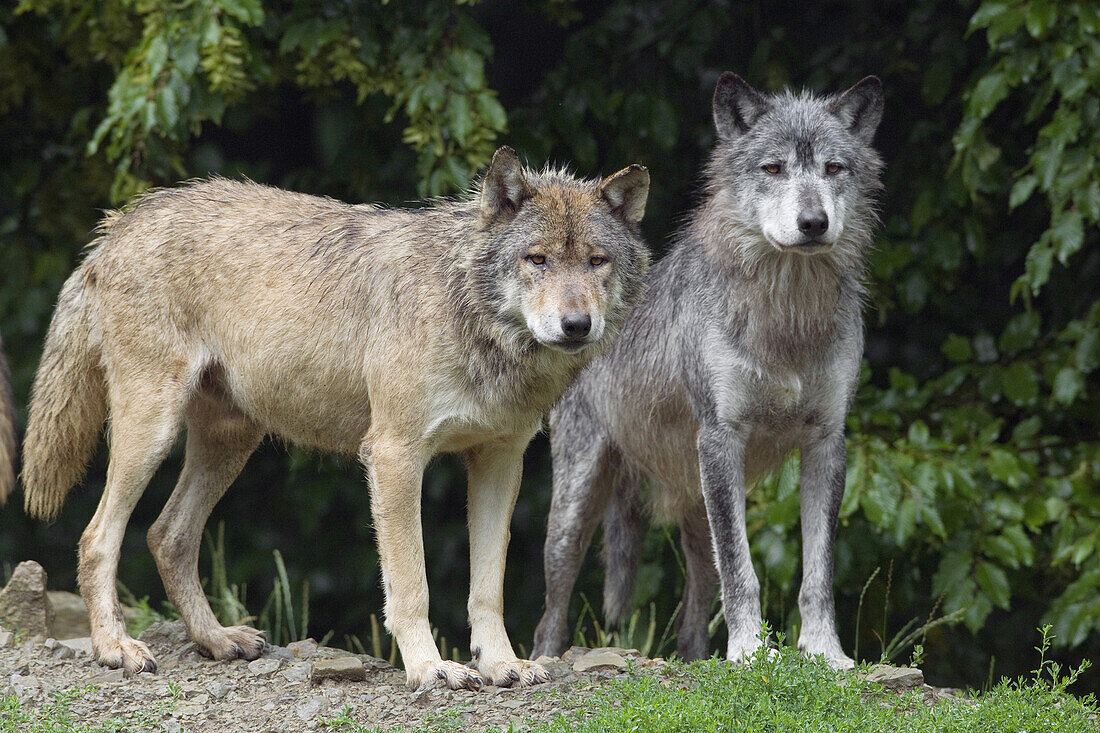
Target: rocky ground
[
  {"x": 289, "y": 688},
  {"x": 292, "y": 688}
]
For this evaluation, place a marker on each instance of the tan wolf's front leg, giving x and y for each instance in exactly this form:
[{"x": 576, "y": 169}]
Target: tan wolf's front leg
[
  {"x": 395, "y": 471},
  {"x": 494, "y": 478}
]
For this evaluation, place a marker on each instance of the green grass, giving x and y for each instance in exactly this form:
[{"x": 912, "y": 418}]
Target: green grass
[
  {"x": 784, "y": 691},
  {"x": 55, "y": 717}
]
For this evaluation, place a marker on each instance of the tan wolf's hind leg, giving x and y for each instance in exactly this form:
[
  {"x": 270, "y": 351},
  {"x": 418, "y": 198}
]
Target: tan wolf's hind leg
[
  {"x": 145, "y": 417},
  {"x": 396, "y": 472},
  {"x": 494, "y": 478},
  {"x": 219, "y": 442}
]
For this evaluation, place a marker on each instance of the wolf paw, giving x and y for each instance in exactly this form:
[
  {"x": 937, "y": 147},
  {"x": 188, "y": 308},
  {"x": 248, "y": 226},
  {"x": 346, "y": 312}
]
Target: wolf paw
[
  {"x": 443, "y": 674},
  {"x": 744, "y": 651},
  {"x": 235, "y": 642},
  {"x": 834, "y": 656},
  {"x": 515, "y": 673},
  {"x": 130, "y": 654}
]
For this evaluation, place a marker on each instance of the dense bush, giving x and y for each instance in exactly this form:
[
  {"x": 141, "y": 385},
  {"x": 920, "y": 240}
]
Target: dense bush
[{"x": 974, "y": 457}]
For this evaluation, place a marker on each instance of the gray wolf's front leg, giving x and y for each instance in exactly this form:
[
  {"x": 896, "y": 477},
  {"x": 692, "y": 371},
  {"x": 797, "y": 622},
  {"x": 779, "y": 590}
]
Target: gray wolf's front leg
[
  {"x": 395, "y": 470},
  {"x": 823, "y": 473},
  {"x": 494, "y": 478},
  {"x": 722, "y": 471}
]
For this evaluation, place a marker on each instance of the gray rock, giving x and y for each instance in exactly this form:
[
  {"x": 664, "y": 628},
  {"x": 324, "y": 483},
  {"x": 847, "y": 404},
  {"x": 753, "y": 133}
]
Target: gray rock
[
  {"x": 556, "y": 667},
  {"x": 24, "y": 685},
  {"x": 897, "y": 679},
  {"x": 278, "y": 652},
  {"x": 62, "y": 651},
  {"x": 263, "y": 667},
  {"x": 312, "y": 707},
  {"x": 296, "y": 672},
  {"x": 189, "y": 708},
  {"x": 600, "y": 659},
  {"x": 165, "y": 634},
  {"x": 7, "y": 639},
  {"x": 82, "y": 645},
  {"x": 304, "y": 649},
  {"x": 24, "y": 605},
  {"x": 217, "y": 690},
  {"x": 114, "y": 675},
  {"x": 70, "y": 616},
  {"x": 341, "y": 668}
]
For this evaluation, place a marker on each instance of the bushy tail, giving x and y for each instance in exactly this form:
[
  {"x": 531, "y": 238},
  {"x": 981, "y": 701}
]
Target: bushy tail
[
  {"x": 68, "y": 405},
  {"x": 622, "y": 533},
  {"x": 7, "y": 432}
]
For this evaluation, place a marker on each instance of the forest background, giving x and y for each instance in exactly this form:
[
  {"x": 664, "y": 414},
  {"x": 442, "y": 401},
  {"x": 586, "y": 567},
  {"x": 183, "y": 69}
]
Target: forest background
[{"x": 972, "y": 496}]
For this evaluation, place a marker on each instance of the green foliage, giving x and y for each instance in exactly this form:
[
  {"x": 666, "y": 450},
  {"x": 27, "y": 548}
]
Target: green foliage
[
  {"x": 782, "y": 690},
  {"x": 187, "y": 63}
]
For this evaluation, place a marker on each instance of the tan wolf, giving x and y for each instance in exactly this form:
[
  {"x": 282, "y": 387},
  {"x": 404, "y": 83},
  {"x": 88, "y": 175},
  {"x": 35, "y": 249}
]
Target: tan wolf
[
  {"x": 239, "y": 310},
  {"x": 7, "y": 432}
]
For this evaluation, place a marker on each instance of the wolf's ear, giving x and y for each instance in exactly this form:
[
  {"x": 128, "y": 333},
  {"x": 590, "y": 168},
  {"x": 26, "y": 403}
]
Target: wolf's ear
[
  {"x": 736, "y": 106},
  {"x": 626, "y": 192},
  {"x": 505, "y": 186},
  {"x": 860, "y": 108}
]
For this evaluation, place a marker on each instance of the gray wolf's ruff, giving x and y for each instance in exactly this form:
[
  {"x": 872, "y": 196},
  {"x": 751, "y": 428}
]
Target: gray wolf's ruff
[
  {"x": 239, "y": 310},
  {"x": 747, "y": 346}
]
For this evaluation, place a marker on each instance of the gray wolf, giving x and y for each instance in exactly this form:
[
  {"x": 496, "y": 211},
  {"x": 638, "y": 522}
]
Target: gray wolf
[
  {"x": 238, "y": 310},
  {"x": 747, "y": 346},
  {"x": 7, "y": 431}
]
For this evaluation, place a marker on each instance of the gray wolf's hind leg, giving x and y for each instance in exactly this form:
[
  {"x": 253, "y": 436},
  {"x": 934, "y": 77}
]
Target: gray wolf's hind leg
[
  {"x": 582, "y": 486},
  {"x": 219, "y": 442},
  {"x": 700, "y": 587},
  {"x": 145, "y": 418}
]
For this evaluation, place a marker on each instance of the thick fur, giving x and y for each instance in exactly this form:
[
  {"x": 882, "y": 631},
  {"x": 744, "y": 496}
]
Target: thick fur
[
  {"x": 747, "y": 346},
  {"x": 238, "y": 310},
  {"x": 7, "y": 432}
]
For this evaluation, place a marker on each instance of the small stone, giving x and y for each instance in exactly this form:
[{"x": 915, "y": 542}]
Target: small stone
[
  {"x": 61, "y": 651},
  {"x": 296, "y": 672},
  {"x": 7, "y": 639},
  {"x": 304, "y": 649},
  {"x": 217, "y": 690},
  {"x": 24, "y": 685},
  {"x": 171, "y": 725},
  {"x": 312, "y": 707},
  {"x": 189, "y": 708},
  {"x": 897, "y": 679},
  {"x": 278, "y": 652},
  {"x": 596, "y": 660},
  {"x": 165, "y": 636},
  {"x": 114, "y": 675},
  {"x": 513, "y": 704},
  {"x": 24, "y": 604},
  {"x": 341, "y": 668},
  {"x": 264, "y": 667},
  {"x": 81, "y": 645}
]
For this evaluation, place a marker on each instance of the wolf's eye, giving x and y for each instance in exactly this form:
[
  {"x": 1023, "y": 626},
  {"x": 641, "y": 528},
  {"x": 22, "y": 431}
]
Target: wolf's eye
[
  {"x": 537, "y": 259},
  {"x": 596, "y": 260},
  {"x": 833, "y": 168},
  {"x": 771, "y": 168}
]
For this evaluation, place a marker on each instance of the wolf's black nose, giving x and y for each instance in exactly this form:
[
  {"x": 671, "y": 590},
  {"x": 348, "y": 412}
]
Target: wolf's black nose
[
  {"x": 813, "y": 222},
  {"x": 576, "y": 325}
]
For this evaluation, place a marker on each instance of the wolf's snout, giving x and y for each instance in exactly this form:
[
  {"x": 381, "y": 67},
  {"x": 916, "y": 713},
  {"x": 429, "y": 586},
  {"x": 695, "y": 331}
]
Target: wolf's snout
[
  {"x": 813, "y": 222},
  {"x": 576, "y": 325}
]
